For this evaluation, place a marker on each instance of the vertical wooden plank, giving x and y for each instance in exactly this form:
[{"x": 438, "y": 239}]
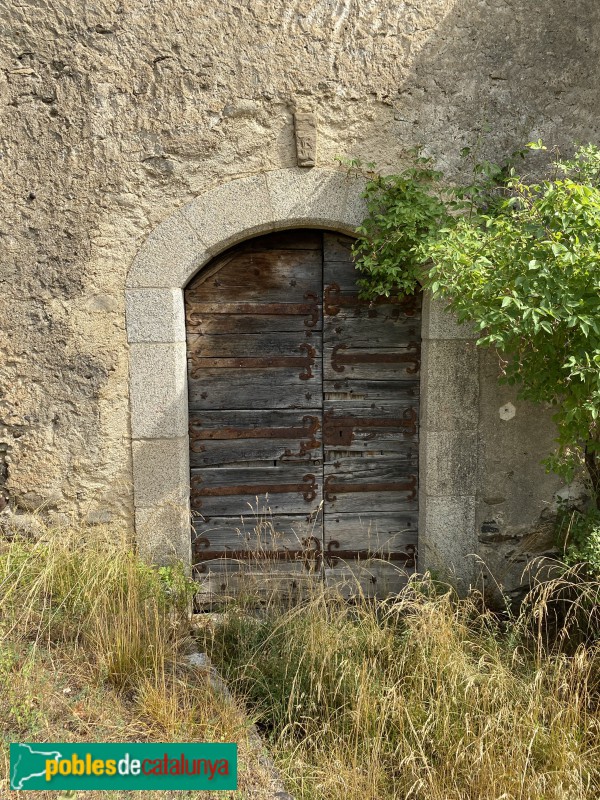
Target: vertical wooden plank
[
  {"x": 254, "y": 332},
  {"x": 371, "y": 362}
]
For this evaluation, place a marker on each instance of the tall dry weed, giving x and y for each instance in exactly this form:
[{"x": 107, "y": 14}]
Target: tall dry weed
[{"x": 425, "y": 696}]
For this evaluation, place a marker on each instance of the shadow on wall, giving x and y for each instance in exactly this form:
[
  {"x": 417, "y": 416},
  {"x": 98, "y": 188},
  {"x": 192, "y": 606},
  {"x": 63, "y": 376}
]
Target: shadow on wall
[
  {"x": 507, "y": 71},
  {"x": 498, "y": 74}
]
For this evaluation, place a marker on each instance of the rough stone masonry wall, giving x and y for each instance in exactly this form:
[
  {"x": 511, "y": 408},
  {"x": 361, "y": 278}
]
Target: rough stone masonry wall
[{"x": 114, "y": 113}]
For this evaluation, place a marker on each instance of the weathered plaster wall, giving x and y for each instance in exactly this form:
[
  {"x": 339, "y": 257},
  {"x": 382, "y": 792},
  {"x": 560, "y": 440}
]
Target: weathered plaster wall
[
  {"x": 117, "y": 112},
  {"x": 516, "y": 502}
]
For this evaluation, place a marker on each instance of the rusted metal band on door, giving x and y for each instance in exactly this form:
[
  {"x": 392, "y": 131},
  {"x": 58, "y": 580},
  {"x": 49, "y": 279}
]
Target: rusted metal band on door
[
  {"x": 334, "y": 299},
  {"x": 332, "y": 487},
  {"x": 308, "y": 489},
  {"x": 311, "y": 555},
  {"x": 339, "y": 360},
  {"x": 197, "y": 312},
  {"x": 341, "y": 430},
  {"x": 306, "y": 362}
]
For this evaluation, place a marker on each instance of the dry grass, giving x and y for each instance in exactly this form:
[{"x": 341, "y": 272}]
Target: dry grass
[
  {"x": 426, "y": 697},
  {"x": 93, "y": 647}
]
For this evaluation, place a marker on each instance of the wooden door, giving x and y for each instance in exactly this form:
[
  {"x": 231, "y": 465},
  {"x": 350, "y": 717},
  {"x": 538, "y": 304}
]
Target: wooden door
[
  {"x": 371, "y": 360},
  {"x": 303, "y": 420}
]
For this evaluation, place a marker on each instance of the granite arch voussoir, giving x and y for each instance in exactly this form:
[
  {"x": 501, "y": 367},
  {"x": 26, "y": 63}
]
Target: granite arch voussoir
[{"x": 231, "y": 212}]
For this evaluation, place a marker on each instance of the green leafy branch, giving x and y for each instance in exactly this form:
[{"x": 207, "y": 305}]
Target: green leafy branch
[{"x": 520, "y": 261}]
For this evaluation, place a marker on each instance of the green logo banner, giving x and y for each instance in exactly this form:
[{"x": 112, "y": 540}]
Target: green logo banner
[{"x": 125, "y": 766}]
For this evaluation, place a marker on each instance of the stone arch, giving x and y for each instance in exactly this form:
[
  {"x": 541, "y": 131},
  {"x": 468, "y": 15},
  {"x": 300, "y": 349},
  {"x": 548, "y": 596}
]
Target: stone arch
[{"x": 173, "y": 253}]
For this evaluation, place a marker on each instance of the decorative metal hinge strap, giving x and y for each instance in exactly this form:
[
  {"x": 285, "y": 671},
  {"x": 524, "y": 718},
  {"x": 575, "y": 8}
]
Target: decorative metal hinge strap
[
  {"x": 312, "y": 554},
  {"x": 306, "y": 362},
  {"x": 304, "y": 435},
  {"x": 339, "y": 361},
  {"x": 197, "y": 310},
  {"x": 308, "y": 489},
  {"x": 332, "y": 488},
  {"x": 334, "y": 299},
  {"x": 341, "y": 430}
]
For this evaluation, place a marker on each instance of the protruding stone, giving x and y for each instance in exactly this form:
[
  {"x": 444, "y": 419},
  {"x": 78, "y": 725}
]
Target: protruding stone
[
  {"x": 315, "y": 198},
  {"x": 451, "y": 400},
  {"x": 447, "y": 541},
  {"x": 439, "y": 323},
  {"x": 230, "y": 213},
  {"x": 168, "y": 256},
  {"x": 450, "y": 463},
  {"x": 305, "y": 124},
  {"x": 163, "y": 533}
]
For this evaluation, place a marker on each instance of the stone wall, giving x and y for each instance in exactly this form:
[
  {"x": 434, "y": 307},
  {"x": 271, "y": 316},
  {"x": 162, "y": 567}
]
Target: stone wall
[{"x": 115, "y": 113}]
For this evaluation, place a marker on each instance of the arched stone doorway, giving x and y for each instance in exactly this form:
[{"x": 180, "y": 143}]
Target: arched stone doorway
[
  {"x": 303, "y": 404},
  {"x": 173, "y": 254}
]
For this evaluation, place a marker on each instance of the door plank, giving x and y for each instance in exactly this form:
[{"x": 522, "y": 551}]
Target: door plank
[
  {"x": 337, "y": 247},
  {"x": 365, "y": 427},
  {"x": 282, "y": 276},
  {"x": 347, "y": 390},
  {"x": 211, "y": 319},
  {"x": 389, "y": 363},
  {"x": 368, "y": 579},
  {"x": 299, "y": 239},
  {"x": 287, "y": 488},
  {"x": 226, "y": 437},
  {"x": 377, "y": 532},
  {"x": 258, "y": 584},
  {"x": 367, "y": 485},
  {"x": 244, "y": 345},
  {"x": 378, "y": 331},
  {"x": 256, "y": 388},
  {"x": 257, "y": 531}
]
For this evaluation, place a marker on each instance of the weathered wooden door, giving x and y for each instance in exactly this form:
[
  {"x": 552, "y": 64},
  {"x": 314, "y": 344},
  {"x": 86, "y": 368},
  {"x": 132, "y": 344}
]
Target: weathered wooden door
[{"x": 303, "y": 420}]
